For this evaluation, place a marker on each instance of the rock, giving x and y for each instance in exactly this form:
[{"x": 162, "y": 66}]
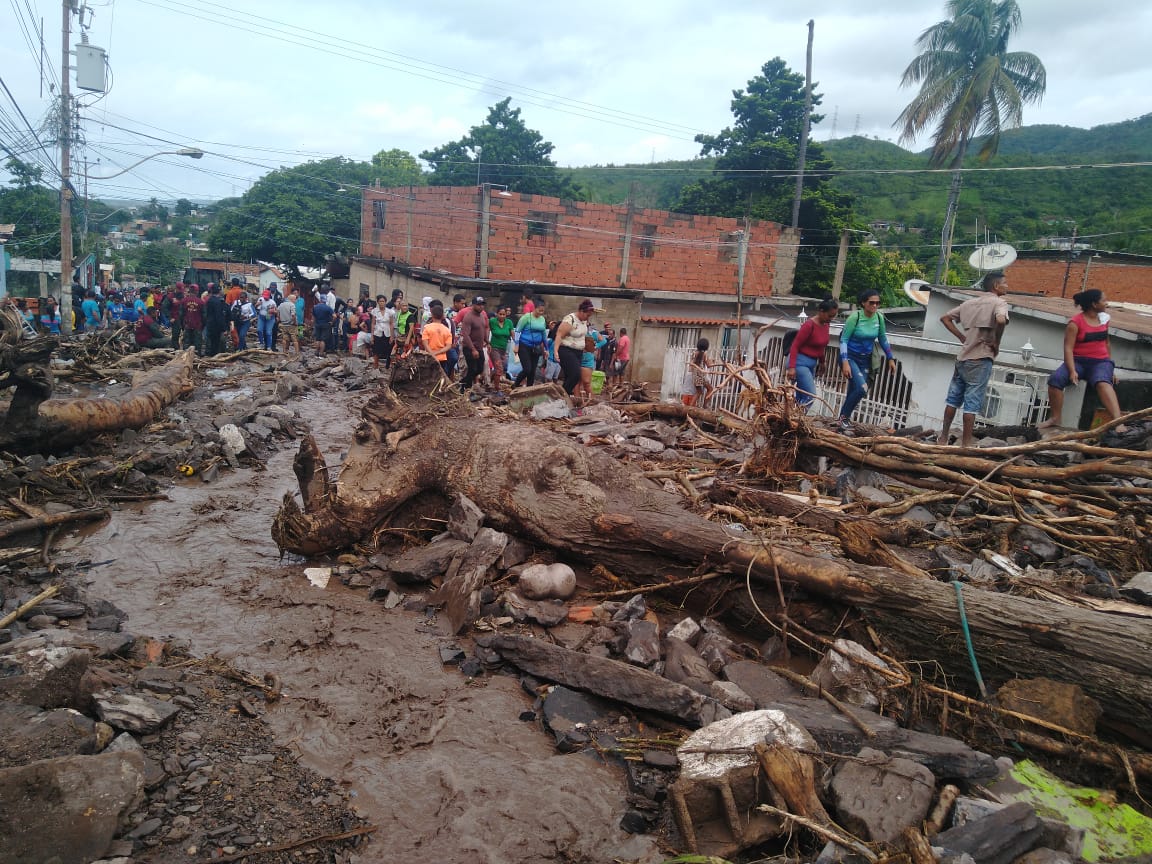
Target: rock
[
  {"x": 991, "y": 442},
  {"x": 947, "y": 565},
  {"x": 840, "y": 673},
  {"x": 635, "y": 608},
  {"x": 66, "y": 809},
  {"x": 1036, "y": 543},
  {"x": 715, "y": 648},
  {"x": 131, "y": 713},
  {"x": 1045, "y": 856},
  {"x": 1065, "y": 705},
  {"x": 686, "y": 630},
  {"x": 731, "y": 696},
  {"x": 47, "y": 677},
  {"x": 516, "y": 552},
  {"x": 1139, "y": 588},
  {"x": 566, "y": 712},
  {"x": 649, "y": 444},
  {"x": 998, "y": 838},
  {"x": 723, "y": 754},
  {"x": 878, "y": 798},
  {"x": 59, "y": 609},
  {"x": 288, "y": 384},
  {"x": 684, "y": 666},
  {"x": 109, "y": 623},
  {"x": 92, "y": 642},
  {"x": 919, "y": 514},
  {"x": 464, "y": 519},
  {"x": 233, "y": 439},
  {"x": 547, "y": 582},
  {"x": 546, "y": 613},
  {"x": 761, "y": 684},
  {"x": 424, "y": 563},
  {"x": 643, "y": 646},
  {"x": 40, "y": 622},
  {"x": 872, "y": 495},
  {"x": 31, "y": 734}
]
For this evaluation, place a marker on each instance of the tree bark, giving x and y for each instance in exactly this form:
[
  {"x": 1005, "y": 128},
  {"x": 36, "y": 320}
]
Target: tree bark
[
  {"x": 35, "y": 424},
  {"x": 543, "y": 486}
]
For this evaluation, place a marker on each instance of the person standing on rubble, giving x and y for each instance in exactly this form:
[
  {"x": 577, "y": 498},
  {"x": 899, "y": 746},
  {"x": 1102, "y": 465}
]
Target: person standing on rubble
[
  {"x": 863, "y": 331},
  {"x": 216, "y": 321},
  {"x": 807, "y": 351},
  {"x": 474, "y": 334},
  {"x": 570, "y": 338},
  {"x": 1086, "y": 356},
  {"x": 983, "y": 319}
]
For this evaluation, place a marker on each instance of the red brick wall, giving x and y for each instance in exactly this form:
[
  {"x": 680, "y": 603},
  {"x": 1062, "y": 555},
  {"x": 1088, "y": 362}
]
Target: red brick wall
[
  {"x": 549, "y": 240},
  {"x": 1131, "y": 283}
]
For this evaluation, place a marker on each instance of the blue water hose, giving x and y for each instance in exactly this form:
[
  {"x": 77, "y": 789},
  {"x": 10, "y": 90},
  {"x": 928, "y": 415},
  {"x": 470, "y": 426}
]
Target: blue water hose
[{"x": 968, "y": 639}]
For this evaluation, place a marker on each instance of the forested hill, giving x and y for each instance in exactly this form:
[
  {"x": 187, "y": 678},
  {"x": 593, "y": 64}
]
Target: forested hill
[{"x": 1113, "y": 206}]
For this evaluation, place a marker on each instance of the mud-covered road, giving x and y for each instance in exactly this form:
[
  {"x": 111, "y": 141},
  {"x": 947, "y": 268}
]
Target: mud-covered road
[{"x": 441, "y": 764}]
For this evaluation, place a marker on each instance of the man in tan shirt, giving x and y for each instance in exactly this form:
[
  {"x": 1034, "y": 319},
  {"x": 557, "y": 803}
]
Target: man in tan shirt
[{"x": 983, "y": 319}]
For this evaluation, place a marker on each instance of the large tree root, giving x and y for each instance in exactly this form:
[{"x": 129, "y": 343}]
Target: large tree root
[
  {"x": 34, "y": 425},
  {"x": 542, "y": 486}
]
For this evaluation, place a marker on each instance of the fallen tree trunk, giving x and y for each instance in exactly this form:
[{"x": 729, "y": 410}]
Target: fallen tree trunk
[
  {"x": 541, "y": 485},
  {"x": 35, "y": 424},
  {"x": 19, "y": 526}
]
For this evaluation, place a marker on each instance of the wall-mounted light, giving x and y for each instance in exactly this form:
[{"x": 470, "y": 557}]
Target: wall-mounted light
[
  {"x": 1027, "y": 353},
  {"x": 803, "y": 316}
]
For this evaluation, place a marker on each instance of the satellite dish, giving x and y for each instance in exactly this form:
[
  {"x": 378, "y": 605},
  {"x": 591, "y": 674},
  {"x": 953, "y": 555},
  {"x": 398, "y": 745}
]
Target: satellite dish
[
  {"x": 994, "y": 256},
  {"x": 918, "y": 291}
]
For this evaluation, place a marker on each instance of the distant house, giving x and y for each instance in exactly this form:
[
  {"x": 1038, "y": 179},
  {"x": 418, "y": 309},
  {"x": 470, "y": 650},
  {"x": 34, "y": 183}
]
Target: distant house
[{"x": 201, "y": 272}]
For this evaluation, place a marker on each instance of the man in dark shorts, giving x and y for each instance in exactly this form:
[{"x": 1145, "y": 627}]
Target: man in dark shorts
[{"x": 322, "y": 315}]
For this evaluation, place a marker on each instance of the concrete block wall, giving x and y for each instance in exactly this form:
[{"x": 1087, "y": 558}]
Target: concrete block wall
[{"x": 550, "y": 240}]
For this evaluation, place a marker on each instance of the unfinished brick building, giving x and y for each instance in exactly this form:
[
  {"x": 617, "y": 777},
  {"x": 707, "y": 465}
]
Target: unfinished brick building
[{"x": 488, "y": 233}]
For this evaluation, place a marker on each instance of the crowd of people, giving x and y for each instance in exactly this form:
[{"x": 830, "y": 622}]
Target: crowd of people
[{"x": 504, "y": 349}]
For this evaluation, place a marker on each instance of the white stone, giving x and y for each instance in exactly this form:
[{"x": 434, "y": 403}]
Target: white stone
[
  {"x": 233, "y": 438},
  {"x": 686, "y": 630},
  {"x": 318, "y": 576},
  {"x": 726, "y": 745},
  {"x": 547, "y": 581}
]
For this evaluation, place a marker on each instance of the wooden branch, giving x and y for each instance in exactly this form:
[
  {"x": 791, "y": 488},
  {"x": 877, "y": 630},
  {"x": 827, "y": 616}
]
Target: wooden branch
[
  {"x": 19, "y": 526},
  {"x": 846, "y": 840},
  {"x": 31, "y": 604}
]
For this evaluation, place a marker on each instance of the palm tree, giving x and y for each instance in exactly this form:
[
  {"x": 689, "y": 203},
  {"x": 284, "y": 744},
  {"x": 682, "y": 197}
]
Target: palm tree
[{"x": 970, "y": 85}]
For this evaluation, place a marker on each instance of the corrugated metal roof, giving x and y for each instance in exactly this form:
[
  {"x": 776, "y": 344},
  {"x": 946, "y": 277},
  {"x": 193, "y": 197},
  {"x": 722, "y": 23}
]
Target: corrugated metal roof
[
  {"x": 693, "y": 322},
  {"x": 1132, "y": 317}
]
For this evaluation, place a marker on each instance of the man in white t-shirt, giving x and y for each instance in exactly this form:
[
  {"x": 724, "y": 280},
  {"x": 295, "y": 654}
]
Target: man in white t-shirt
[{"x": 383, "y": 332}]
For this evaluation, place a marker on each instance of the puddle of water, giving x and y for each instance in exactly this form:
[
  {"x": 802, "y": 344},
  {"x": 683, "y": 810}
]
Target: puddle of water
[{"x": 440, "y": 764}]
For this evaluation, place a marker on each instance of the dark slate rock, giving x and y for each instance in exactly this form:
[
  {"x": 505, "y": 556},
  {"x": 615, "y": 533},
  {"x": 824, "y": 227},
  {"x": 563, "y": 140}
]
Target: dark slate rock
[
  {"x": 998, "y": 838},
  {"x": 759, "y": 682},
  {"x": 132, "y": 713},
  {"x": 643, "y": 646},
  {"x": 31, "y": 734},
  {"x": 424, "y": 563},
  {"x": 684, "y": 666},
  {"x": 464, "y": 519}
]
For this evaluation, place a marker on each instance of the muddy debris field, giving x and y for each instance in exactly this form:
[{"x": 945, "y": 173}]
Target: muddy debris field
[{"x": 281, "y": 608}]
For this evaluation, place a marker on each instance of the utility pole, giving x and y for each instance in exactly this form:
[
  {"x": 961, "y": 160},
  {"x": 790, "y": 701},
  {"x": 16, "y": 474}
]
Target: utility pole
[
  {"x": 841, "y": 262},
  {"x": 804, "y": 130},
  {"x": 1071, "y": 255},
  {"x": 65, "y": 168}
]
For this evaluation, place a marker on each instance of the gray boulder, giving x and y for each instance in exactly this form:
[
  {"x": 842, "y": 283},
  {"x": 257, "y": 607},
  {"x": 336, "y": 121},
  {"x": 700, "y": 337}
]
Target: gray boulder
[
  {"x": 67, "y": 809},
  {"x": 46, "y": 677},
  {"x": 878, "y": 798},
  {"x": 131, "y": 713}
]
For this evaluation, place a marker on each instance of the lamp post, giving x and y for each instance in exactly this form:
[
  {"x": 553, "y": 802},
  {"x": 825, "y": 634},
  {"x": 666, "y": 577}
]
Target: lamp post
[{"x": 190, "y": 152}]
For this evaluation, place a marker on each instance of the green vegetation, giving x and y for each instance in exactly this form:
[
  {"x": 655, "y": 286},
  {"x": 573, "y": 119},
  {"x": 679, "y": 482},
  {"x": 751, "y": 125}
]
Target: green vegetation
[
  {"x": 1111, "y": 207},
  {"x": 970, "y": 84},
  {"x": 504, "y": 151}
]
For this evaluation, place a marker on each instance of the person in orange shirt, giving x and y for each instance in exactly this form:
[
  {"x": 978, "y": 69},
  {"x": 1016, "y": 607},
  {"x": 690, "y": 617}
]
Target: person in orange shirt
[
  {"x": 436, "y": 336},
  {"x": 234, "y": 291}
]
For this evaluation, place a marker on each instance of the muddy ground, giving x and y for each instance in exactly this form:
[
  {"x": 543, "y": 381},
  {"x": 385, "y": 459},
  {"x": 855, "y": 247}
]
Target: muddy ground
[{"x": 371, "y": 730}]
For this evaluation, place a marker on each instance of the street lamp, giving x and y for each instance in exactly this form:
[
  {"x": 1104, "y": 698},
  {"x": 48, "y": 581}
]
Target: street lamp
[{"x": 190, "y": 152}]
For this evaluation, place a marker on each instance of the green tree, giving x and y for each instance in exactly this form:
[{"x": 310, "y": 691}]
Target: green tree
[
  {"x": 871, "y": 268},
  {"x": 397, "y": 167},
  {"x": 295, "y": 216},
  {"x": 183, "y": 207},
  {"x": 160, "y": 262},
  {"x": 33, "y": 209},
  {"x": 502, "y": 150},
  {"x": 755, "y": 173},
  {"x": 970, "y": 84}
]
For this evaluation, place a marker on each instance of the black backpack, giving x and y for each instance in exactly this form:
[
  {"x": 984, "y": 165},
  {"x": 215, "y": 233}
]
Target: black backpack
[
  {"x": 789, "y": 338},
  {"x": 235, "y": 314}
]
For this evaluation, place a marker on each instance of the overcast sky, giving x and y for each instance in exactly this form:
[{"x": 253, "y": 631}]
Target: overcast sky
[{"x": 282, "y": 82}]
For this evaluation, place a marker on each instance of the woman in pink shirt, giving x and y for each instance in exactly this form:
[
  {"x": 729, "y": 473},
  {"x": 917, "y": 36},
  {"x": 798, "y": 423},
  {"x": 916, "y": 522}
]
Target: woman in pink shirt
[
  {"x": 1086, "y": 356},
  {"x": 807, "y": 351}
]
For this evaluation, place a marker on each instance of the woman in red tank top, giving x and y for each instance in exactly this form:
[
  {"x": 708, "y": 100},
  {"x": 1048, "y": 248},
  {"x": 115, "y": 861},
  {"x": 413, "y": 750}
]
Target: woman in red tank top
[{"x": 1086, "y": 357}]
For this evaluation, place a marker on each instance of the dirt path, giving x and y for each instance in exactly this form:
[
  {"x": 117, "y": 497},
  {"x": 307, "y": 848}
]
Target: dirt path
[{"x": 440, "y": 764}]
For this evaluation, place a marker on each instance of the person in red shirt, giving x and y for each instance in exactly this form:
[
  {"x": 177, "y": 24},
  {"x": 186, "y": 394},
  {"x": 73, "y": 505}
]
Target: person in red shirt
[
  {"x": 148, "y": 333},
  {"x": 193, "y": 319},
  {"x": 807, "y": 351},
  {"x": 1086, "y": 356}
]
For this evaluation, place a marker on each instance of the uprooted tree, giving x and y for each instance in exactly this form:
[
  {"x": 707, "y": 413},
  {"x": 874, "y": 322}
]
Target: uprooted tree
[
  {"x": 36, "y": 423},
  {"x": 540, "y": 485}
]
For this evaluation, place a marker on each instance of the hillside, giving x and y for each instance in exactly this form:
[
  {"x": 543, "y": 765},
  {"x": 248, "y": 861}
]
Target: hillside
[{"x": 1111, "y": 205}]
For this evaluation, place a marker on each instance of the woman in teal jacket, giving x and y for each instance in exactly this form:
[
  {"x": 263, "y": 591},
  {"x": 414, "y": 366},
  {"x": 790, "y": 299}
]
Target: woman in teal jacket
[{"x": 862, "y": 331}]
